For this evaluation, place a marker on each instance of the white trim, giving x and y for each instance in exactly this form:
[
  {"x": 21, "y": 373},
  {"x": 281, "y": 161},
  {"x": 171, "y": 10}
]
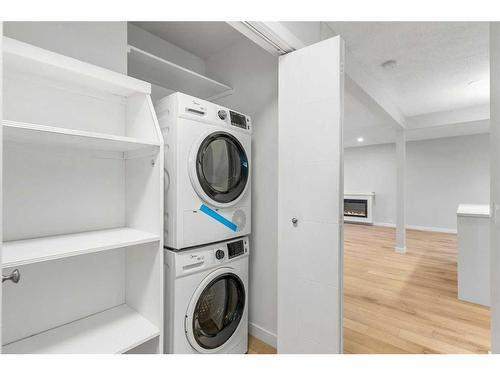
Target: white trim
[
  {"x": 418, "y": 227},
  {"x": 372, "y": 194},
  {"x": 432, "y": 229},
  {"x": 380, "y": 224},
  {"x": 263, "y": 334}
]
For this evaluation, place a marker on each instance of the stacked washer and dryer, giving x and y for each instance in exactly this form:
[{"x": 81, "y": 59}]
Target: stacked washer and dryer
[{"x": 207, "y": 220}]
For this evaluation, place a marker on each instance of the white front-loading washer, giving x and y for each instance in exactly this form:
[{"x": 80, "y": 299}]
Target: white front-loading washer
[
  {"x": 206, "y": 299},
  {"x": 207, "y": 171}
]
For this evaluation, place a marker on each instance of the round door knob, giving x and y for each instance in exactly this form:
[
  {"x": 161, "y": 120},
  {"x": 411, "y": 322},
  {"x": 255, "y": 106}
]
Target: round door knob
[
  {"x": 15, "y": 276},
  {"x": 222, "y": 114},
  {"x": 219, "y": 254},
  {"x": 295, "y": 221}
]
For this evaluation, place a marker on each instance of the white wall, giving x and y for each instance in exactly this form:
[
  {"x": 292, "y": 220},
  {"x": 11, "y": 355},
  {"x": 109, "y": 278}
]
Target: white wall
[
  {"x": 373, "y": 168},
  {"x": 253, "y": 73},
  {"x": 99, "y": 43},
  {"x": 440, "y": 174},
  {"x": 443, "y": 173}
]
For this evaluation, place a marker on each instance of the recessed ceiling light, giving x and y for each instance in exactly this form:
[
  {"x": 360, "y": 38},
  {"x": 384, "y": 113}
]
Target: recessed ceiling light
[
  {"x": 389, "y": 64},
  {"x": 360, "y": 139}
]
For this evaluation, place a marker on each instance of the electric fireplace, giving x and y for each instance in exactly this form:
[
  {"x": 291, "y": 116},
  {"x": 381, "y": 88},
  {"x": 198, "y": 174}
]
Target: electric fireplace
[{"x": 358, "y": 208}]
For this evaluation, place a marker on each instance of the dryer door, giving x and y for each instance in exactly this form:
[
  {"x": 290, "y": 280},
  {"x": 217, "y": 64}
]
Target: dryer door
[
  {"x": 215, "y": 311},
  {"x": 221, "y": 169}
]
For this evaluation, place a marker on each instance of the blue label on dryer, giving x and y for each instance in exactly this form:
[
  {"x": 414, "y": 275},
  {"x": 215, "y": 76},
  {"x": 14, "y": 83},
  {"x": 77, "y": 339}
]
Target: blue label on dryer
[{"x": 221, "y": 219}]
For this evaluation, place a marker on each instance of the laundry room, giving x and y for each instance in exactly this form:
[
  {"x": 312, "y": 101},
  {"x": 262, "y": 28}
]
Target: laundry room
[
  {"x": 223, "y": 77},
  {"x": 249, "y": 187}
]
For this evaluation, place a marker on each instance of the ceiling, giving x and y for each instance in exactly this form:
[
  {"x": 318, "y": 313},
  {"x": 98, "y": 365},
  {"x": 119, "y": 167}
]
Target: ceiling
[
  {"x": 361, "y": 121},
  {"x": 440, "y": 66},
  {"x": 202, "y": 39}
]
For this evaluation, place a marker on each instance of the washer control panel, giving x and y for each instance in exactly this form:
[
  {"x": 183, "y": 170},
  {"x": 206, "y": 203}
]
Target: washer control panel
[
  {"x": 236, "y": 248},
  {"x": 206, "y": 257},
  {"x": 231, "y": 250},
  {"x": 239, "y": 120}
]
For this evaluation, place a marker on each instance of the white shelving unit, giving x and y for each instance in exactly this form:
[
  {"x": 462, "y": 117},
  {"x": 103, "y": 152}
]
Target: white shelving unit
[
  {"x": 83, "y": 207},
  {"x": 168, "y": 75},
  {"x": 36, "y": 61},
  {"x": 116, "y": 330},
  {"x": 76, "y": 139},
  {"x": 21, "y": 252}
]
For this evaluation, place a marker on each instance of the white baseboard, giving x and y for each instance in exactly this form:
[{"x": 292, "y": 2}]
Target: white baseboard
[
  {"x": 419, "y": 227},
  {"x": 263, "y": 334},
  {"x": 390, "y": 225},
  {"x": 400, "y": 250},
  {"x": 432, "y": 229}
]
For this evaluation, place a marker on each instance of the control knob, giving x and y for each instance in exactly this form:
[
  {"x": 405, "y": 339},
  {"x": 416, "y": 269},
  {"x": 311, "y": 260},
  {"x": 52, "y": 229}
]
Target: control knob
[
  {"x": 219, "y": 254},
  {"x": 222, "y": 114}
]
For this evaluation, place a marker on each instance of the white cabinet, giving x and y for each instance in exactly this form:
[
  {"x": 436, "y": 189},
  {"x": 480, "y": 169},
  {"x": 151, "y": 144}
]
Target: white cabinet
[
  {"x": 83, "y": 207},
  {"x": 473, "y": 225}
]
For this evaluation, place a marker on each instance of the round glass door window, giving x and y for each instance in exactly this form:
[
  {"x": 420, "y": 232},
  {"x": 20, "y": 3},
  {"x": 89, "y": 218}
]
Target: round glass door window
[
  {"x": 218, "y": 311},
  {"x": 222, "y": 167}
]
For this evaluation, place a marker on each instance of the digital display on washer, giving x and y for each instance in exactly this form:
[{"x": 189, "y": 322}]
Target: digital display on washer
[
  {"x": 238, "y": 120},
  {"x": 235, "y": 248}
]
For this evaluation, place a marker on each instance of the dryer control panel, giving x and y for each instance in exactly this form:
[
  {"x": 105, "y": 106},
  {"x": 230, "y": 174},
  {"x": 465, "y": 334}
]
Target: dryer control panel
[
  {"x": 185, "y": 106},
  {"x": 191, "y": 261}
]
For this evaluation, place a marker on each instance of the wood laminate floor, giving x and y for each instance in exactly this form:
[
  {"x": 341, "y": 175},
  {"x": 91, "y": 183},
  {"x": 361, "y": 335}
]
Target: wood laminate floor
[
  {"x": 255, "y": 346},
  {"x": 407, "y": 303}
]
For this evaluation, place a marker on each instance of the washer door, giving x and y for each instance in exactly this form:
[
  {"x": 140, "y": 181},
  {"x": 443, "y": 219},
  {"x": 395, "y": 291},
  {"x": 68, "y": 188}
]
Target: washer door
[
  {"x": 215, "y": 311},
  {"x": 221, "y": 169}
]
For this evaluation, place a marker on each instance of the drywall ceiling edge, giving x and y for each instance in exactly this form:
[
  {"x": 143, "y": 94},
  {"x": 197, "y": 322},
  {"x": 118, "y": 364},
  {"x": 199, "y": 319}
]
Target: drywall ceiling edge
[{"x": 276, "y": 31}]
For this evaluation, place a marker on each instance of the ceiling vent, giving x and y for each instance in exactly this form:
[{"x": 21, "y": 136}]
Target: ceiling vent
[{"x": 272, "y": 36}]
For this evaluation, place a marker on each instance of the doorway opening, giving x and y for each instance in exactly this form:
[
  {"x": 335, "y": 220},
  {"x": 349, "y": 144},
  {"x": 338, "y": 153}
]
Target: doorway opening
[{"x": 429, "y": 296}]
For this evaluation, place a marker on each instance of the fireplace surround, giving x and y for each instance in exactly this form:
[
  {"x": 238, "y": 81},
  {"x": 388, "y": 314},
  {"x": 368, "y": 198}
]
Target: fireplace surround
[{"x": 358, "y": 208}]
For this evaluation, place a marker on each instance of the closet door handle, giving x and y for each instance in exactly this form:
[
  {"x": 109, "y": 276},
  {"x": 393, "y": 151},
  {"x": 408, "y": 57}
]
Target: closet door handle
[{"x": 15, "y": 276}]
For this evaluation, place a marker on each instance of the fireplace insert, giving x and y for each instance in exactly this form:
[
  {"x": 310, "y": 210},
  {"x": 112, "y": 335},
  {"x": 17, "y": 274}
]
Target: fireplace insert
[{"x": 356, "y": 207}]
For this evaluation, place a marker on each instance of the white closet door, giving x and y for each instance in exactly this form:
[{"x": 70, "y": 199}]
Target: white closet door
[
  {"x": 311, "y": 89},
  {"x": 495, "y": 184},
  {"x": 1, "y": 172}
]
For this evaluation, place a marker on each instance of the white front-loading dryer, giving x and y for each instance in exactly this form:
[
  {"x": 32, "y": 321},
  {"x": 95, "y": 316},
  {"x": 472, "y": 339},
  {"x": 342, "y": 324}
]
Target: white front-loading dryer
[
  {"x": 207, "y": 171},
  {"x": 206, "y": 299}
]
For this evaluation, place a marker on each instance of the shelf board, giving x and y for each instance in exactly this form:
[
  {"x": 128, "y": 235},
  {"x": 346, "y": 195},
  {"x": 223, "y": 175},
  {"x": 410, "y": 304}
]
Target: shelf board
[
  {"x": 166, "y": 74},
  {"x": 117, "y": 330},
  {"x": 21, "y": 252},
  {"x": 26, "y": 58},
  {"x": 74, "y": 139}
]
